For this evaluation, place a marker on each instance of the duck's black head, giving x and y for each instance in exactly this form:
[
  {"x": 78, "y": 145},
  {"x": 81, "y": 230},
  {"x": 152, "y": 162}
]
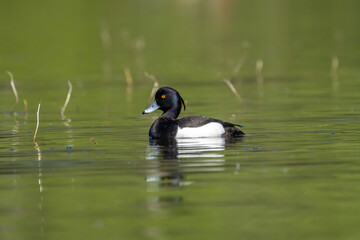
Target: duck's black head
[{"x": 169, "y": 101}]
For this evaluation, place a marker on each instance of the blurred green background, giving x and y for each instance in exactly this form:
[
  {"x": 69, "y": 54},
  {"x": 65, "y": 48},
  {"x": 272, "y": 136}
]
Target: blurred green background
[
  {"x": 70, "y": 39},
  {"x": 295, "y": 176}
]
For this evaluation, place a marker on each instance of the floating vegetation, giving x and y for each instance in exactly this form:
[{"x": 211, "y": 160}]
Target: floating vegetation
[
  {"x": 92, "y": 141},
  {"x": 14, "y": 90},
  {"x": 37, "y": 122},
  {"x": 233, "y": 89},
  {"x": 67, "y": 99}
]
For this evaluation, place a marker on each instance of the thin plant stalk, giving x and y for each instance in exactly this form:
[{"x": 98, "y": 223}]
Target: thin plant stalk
[
  {"x": 105, "y": 36},
  {"x": 14, "y": 90},
  {"x": 106, "y": 43},
  {"x": 129, "y": 84},
  {"x": 67, "y": 99},
  {"x": 155, "y": 87},
  {"x": 233, "y": 89},
  {"x": 334, "y": 65},
  {"x": 25, "y": 106},
  {"x": 25, "y": 110},
  {"x": 37, "y": 122},
  {"x": 259, "y": 66},
  {"x": 153, "y": 91},
  {"x": 128, "y": 77},
  {"x": 334, "y": 76},
  {"x": 150, "y": 76},
  {"x": 242, "y": 59}
]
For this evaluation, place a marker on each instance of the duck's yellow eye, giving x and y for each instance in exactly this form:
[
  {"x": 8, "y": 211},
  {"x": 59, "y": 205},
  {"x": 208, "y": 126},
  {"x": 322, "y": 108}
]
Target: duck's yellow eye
[{"x": 163, "y": 96}]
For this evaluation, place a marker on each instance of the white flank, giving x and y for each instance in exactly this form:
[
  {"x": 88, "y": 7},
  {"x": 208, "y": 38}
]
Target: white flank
[{"x": 212, "y": 129}]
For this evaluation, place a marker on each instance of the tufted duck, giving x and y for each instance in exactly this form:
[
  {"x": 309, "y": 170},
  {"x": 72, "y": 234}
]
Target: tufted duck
[{"x": 167, "y": 126}]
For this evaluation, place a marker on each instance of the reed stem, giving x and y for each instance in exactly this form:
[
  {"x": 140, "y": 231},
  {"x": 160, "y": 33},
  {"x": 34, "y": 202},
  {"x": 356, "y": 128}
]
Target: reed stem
[
  {"x": 128, "y": 77},
  {"x": 37, "y": 122},
  {"x": 233, "y": 89},
  {"x": 334, "y": 65},
  {"x": 259, "y": 66},
  {"x": 14, "y": 90},
  {"x": 67, "y": 99}
]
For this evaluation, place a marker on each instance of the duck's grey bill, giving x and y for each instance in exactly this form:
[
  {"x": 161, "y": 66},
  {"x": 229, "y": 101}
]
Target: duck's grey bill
[{"x": 152, "y": 108}]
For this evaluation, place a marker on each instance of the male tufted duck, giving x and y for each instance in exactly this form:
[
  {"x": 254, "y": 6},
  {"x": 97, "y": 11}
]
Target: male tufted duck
[{"x": 167, "y": 126}]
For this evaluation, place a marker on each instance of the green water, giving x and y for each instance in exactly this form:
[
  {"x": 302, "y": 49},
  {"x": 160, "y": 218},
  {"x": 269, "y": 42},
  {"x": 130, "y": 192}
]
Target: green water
[{"x": 93, "y": 174}]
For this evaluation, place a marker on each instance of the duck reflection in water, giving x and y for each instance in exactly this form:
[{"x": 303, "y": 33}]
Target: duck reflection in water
[{"x": 170, "y": 159}]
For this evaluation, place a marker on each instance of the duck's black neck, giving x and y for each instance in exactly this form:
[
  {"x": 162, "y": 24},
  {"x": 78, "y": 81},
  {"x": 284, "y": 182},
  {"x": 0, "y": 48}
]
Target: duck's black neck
[{"x": 172, "y": 113}]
